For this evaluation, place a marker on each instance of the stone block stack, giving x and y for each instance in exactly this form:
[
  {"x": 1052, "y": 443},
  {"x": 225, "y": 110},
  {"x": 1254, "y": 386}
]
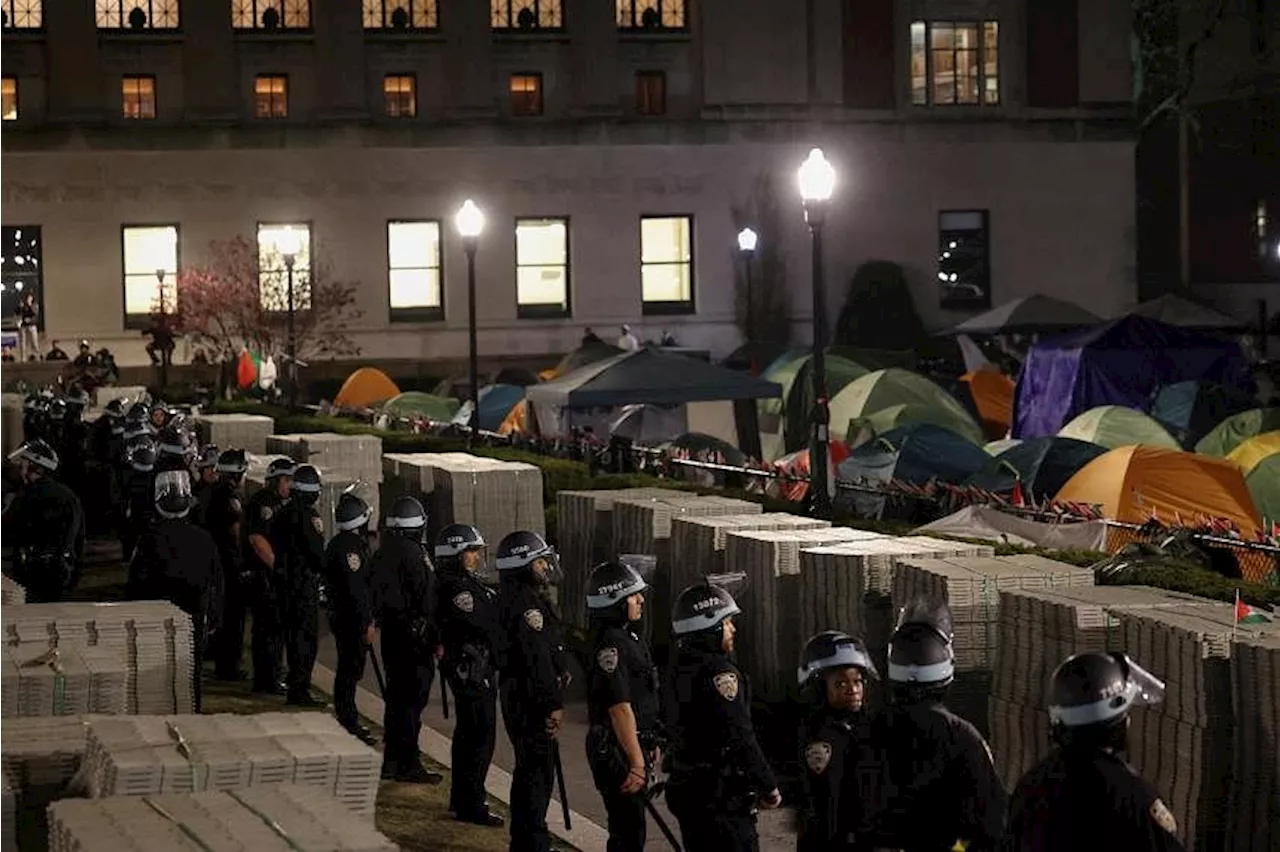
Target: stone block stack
[
  {"x": 40, "y": 756},
  {"x": 1255, "y": 778},
  {"x": 247, "y": 431},
  {"x": 354, "y": 457},
  {"x": 697, "y": 543},
  {"x": 63, "y": 681},
  {"x": 10, "y": 592}
]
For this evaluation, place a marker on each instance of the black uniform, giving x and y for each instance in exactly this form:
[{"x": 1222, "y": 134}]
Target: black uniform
[
  {"x": 935, "y": 781},
  {"x": 833, "y": 751},
  {"x": 1077, "y": 798},
  {"x": 222, "y": 520},
  {"x": 351, "y": 614},
  {"x": 622, "y": 672},
  {"x": 402, "y": 590},
  {"x": 140, "y": 507},
  {"x": 718, "y": 770},
  {"x": 177, "y": 561},
  {"x": 268, "y": 586},
  {"x": 533, "y": 676},
  {"x": 297, "y": 537},
  {"x": 468, "y": 616},
  {"x": 45, "y": 527}
]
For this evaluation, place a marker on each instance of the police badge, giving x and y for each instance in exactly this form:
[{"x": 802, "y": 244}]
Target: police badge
[
  {"x": 533, "y": 618},
  {"x": 817, "y": 756},
  {"x": 607, "y": 658},
  {"x": 265, "y": 512},
  {"x": 464, "y": 601},
  {"x": 726, "y": 684},
  {"x": 353, "y": 561}
]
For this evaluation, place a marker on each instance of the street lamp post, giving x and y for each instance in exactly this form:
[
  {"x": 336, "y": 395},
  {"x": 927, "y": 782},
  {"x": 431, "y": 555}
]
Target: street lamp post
[
  {"x": 747, "y": 240},
  {"x": 162, "y": 325},
  {"x": 817, "y": 181},
  {"x": 289, "y": 244},
  {"x": 470, "y": 223}
]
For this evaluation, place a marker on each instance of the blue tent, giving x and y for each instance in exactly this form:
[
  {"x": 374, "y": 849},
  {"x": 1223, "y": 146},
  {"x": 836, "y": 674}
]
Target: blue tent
[
  {"x": 1117, "y": 363},
  {"x": 913, "y": 453},
  {"x": 1190, "y": 410},
  {"x": 496, "y": 402},
  {"x": 1043, "y": 464}
]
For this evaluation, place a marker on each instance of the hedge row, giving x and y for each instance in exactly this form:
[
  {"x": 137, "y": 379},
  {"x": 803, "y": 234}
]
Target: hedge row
[{"x": 566, "y": 475}]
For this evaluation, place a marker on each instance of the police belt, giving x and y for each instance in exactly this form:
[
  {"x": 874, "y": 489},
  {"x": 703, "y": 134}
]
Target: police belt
[
  {"x": 715, "y": 786},
  {"x": 471, "y": 665},
  {"x": 608, "y": 760}
]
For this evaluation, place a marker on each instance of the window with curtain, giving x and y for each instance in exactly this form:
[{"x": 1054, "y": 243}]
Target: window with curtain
[
  {"x": 413, "y": 270},
  {"x": 666, "y": 264},
  {"x": 271, "y": 96},
  {"x": 273, "y": 270},
  {"x": 542, "y": 267},
  {"x": 138, "y": 97},
  {"x": 149, "y": 250},
  {"x": 399, "y": 92}
]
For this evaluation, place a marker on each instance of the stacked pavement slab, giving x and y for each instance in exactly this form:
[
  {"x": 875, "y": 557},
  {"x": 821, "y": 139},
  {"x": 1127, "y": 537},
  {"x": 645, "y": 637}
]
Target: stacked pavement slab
[
  {"x": 352, "y": 456},
  {"x": 10, "y": 592},
  {"x": 247, "y": 431},
  {"x": 698, "y": 542},
  {"x": 40, "y": 756},
  {"x": 63, "y": 681}
]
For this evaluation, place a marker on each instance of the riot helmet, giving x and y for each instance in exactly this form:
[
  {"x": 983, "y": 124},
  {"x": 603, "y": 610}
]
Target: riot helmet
[
  {"x": 279, "y": 474},
  {"x": 174, "y": 442},
  {"x": 35, "y": 455},
  {"x": 173, "y": 493},
  {"x": 1091, "y": 694},
  {"x": 921, "y": 658},
  {"x": 77, "y": 400},
  {"x": 519, "y": 553},
  {"x": 306, "y": 485},
  {"x": 141, "y": 455},
  {"x": 456, "y": 539},
  {"x": 406, "y": 518},
  {"x": 699, "y": 615},
  {"x": 208, "y": 457},
  {"x": 232, "y": 462},
  {"x": 114, "y": 408},
  {"x": 823, "y": 672},
  {"x": 351, "y": 513},
  {"x": 609, "y": 588},
  {"x": 57, "y": 409}
]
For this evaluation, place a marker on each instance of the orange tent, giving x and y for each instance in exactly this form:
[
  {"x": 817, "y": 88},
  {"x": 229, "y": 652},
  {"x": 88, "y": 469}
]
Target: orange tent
[
  {"x": 797, "y": 464},
  {"x": 992, "y": 395},
  {"x": 517, "y": 420},
  {"x": 364, "y": 387},
  {"x": 1133, "y": 483}
]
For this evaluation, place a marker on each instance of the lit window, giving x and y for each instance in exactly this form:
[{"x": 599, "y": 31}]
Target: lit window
[
  {"x": 137, "y": 14},
  {"x": 526, "y": 94},
  {"x": 651, "y": 14},
  {"x": 149, "y": 251},
  {"x": 400, "y": 94},
  {"x": 22, "y": 15},
  {"x": 964, "y": 269},
  {"x": 413, "y": 270},
  {"x": 271, "y": 96},
  {"x": 20, "y": 266},
  {"x": 401, "y": 15},
  {"x": 651, "y": 92},
  {"x": 270, "y": 14},
  {"x": 955, "y": 63},
  {"x": 542, "y": 267},
  {"x": 527, "y": 14},
  {"x": 666, "y": 264},
  {"x": 273, "y": 266},
  {"x": 138, "y": 97},
  {"x": 9, "y": 99}
]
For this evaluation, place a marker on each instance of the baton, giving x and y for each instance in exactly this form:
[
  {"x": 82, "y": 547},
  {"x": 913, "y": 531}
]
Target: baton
[
  {"x": 377, "y": 672},
  {"x": 662, "y": 825},
  {"x": 444, "y": 695},
  {"x": 564, "y": 799}
]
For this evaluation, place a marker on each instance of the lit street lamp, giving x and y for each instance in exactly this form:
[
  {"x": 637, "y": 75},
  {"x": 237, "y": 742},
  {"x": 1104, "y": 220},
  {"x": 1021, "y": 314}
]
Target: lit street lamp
[
  {"x": 162, "y": 325},
  {"x": 289, "y": 243},
  {"x": 470, "y": 223},
  {"x": 817, "y": 181},
  {"x": 747, "y": 240}
]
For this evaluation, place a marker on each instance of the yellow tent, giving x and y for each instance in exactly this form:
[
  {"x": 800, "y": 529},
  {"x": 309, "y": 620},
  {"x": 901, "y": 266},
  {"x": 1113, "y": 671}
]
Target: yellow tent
[
  {"x": 364, "y": 387},
  {"x": 1250, "y": 453},
  {"x": 1133, "y": 483}
]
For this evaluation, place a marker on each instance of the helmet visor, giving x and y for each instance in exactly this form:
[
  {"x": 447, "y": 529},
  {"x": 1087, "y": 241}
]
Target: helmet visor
[
  {"x": 644, "y": 564},
  {"x": 551, "y": 574},
  {"x": 172, "y": 483},
  {"x": 1142, "y": 686},
  {"x": 931, "y": 613},
  {"x": 844, "y": 654}
]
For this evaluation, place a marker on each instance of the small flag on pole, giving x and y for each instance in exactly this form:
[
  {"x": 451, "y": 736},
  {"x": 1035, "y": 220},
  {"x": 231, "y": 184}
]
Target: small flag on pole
[{"x": 1246, "y": 614}]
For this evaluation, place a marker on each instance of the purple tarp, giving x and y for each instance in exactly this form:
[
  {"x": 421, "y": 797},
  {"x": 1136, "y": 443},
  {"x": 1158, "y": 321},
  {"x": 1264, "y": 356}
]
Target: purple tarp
[{"x": 1121, "y": 362}]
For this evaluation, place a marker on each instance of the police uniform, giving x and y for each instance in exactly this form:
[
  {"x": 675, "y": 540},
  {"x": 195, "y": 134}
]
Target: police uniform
[
  {"x": 266, "y": 638},
  {"x": 139, "y": 500},
  {"x": 534, "y": 674},
  {"x": 223, "y": 518},
  {"x": 297, "y": 538},
  {"x": 45, "y": 526},
  {"x": 351, "y": 615}
]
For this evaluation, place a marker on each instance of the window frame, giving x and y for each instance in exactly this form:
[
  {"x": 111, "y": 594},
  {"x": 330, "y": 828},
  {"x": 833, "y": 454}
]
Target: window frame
[
  {"x": 17, "y": 98},
  {"x": 124, "y": 27},
  {"x": 413, "y": 95},
  {"x": 980, "y": 60},
  {"x": 270, "y": 75},
  {"x": 39, "y": 275},
  {"x": 637, "y": 27},
  {"x": 975, "y": 304},
  {"x": 540, "y": 91},
  {"x": 649, "y": 75},
  {"x": 433, "y": 16},
  {"x": 675, "y": 308},
  {"x": 124, "y": 98},
  {"x": 9, "y": 7},
  {"x": 260, "y": 6},
  {"x": 138, "y": 322},
  {"x": 512, "y": 27},
  {"x": 543, "y": 310},
  {"x": 417, "y": 313},
  {"x": 310, "y": 267}
]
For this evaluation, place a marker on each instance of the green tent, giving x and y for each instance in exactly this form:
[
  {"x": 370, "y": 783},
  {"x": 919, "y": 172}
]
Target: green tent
[
  {"x": 1264, "y": 485},
  {"x": 783, "y": 372},
  {"x": 1113, "y": 426},
  {"x": 419, "y": 404},
  {"x": 995, "y": 448},
  {"x": 1238, "y": 428},
  {"x": 887, "y": 399},
  {"x": 799, "y": 398}
]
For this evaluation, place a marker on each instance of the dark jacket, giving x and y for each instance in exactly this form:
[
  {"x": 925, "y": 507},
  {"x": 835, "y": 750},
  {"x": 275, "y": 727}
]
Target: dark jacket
[
  {"x": 532, "y": 658},
  {"x": 402, "y": 592},
  {"x": 177, "y": 561},
  {"x": 834, "y": 753},
  {"x": 467, "y": 612},
  {"x": 347, "y": 577}
]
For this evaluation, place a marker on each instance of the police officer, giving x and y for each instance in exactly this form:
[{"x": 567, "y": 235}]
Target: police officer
[
  {"x": 206, "y": 478},
  {"x": 74, "y": 446},
  {"x": 935, "y": 783},
  {"x": 175, "y": 448},
  {"x": 260, "y": 564},
  {"x": 44, "y": 524},
  {"x": 297, "y": 538},
  {"x": 1085, "y": 792},
  {"x": 468, "y": 616},
  {"x": 402, "y": 589},
  {"x": 108, "y": 430},
  {"x": 534, "y": 675},
  {"x": 351, "y": 614},
  {"x": 718, "y": 772},
  {"x": 139, "y": 492},
  {"x": 834, "y": 671},
  {"x": 223, "y": 519},
  {"x": 622, "y": 702},
  {"x": 177, "y": 561}
]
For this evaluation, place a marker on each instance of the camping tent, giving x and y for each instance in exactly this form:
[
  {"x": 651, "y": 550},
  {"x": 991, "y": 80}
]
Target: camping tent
[
  {"x": 916, "y": 454},
  {"x": 1250, "y": 453},
  {"x": 988, "y": 396},
  {"x": 517, "y": 421},
  {"x": 796, "y": 465},
  {"x": 587, "y": 353},
  {"x": 1042, "y": 464},
  {"x": 798, "y": 411},
  {"x": 1259, "y": 460},
  {"x": 1114, "y": 426},
  {"x": 754, "y": 356},
  {"x": 1190, "y": 410},
  {"x": 1118, "y": 363},
  {"x": 1230, "y": 433},
  {"x": 515, "y": 376},
  {"x": 649, "y": 425},
  {"x": 1028, "y": 315},
  {"x": 419, "y": 404},
  {"x": 995, "y": 448},
  {"x": 887, "y": 399},
  {"x": 496, "y": 402},
  {"x": 698, "y": 444},
  {"x": 1133, "y": 484},
  {"x": 364, "y": 387},
  {"x": 1180, "y": 311}
]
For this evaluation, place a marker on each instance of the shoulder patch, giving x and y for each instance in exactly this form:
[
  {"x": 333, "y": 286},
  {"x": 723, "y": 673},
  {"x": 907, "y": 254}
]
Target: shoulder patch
[
  {"x": 265, "y": 513},
  {"x": 533, "y": 618},
  {"x": 607, "y": 659},
  {"x": 317, "y": 523},
  {"x": 353, "y": 561},
  {"x": 1163, "y": 817},
  {"x": 464, "y": 601},
  {"x": 726, "y": 684},
  {"x": 817, "y": 756}
]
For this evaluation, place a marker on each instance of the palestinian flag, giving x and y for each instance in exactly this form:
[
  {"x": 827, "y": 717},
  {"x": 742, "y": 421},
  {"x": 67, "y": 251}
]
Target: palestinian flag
[
  {"x": 1246, "y": 614},
  {"x": 248, "y": 367}
]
